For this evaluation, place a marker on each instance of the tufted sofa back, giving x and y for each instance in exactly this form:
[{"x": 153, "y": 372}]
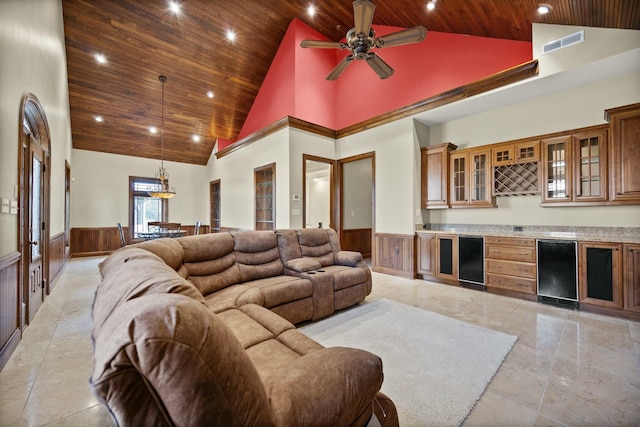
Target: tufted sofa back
[
  {"x": 257, "y": 255},
  {"x": 318, "y": 243}
]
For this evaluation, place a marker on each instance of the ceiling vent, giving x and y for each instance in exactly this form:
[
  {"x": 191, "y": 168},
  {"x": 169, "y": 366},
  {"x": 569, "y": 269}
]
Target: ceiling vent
[{"x": 563, "y": 42}]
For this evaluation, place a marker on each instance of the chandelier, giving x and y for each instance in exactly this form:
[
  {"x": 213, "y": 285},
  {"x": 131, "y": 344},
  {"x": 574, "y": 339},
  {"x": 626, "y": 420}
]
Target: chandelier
[{"x": 162, "y": 190}]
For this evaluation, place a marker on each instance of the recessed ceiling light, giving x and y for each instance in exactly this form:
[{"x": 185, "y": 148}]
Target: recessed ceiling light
[
  {"x": 174, "y": 7},
  {"x": 153, "y": 129},
  {"x": 231, "y": 36},
  {"x": 311, "y": 10},
  {"x": 544, "y": 8},
  {"x": 98, "y": 119},
  {"x": 196, "y": 138},
  {"x": 210, "y": 94},
  {"x": 100, "y": 58},
  {"x": 431, "y": 5}
]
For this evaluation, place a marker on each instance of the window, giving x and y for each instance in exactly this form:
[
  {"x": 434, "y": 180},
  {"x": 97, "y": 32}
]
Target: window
[{"x": 144, "y": 208}]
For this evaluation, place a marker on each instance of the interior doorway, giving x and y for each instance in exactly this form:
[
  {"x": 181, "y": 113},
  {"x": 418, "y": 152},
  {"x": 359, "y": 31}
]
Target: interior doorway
[
  {"x": 357, "y": 203},
  {"x": 318, "y": 192},
  {"x": 33, "y": 199}
]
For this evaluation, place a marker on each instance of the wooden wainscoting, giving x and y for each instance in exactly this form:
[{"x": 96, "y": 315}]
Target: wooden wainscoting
[
  {"x": 357, "y": 239},
  {"x": 94, "y": 241},
  {"x": 87, "y": 241},
  {"x": 57, "y": 259},
  {"x": 394, "y": 254},
  {"x": 9, "y": 306}
]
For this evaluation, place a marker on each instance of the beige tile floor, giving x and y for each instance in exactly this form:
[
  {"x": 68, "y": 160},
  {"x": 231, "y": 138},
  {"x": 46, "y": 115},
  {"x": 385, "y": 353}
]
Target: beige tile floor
[{"x": 567, "y": 368}]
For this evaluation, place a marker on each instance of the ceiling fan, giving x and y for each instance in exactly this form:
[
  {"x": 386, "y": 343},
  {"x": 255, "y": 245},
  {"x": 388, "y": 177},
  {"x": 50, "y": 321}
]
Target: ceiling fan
[{"x": 361, "y": 39}]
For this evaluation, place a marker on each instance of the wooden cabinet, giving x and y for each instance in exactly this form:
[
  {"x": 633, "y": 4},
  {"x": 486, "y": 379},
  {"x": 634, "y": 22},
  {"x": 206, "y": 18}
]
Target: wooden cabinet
[
  {"x": 527, "y": 152},
  {"x": 515, "y": 153},
  {"x": 624, "y": 152},
  {"x": 631, "y": 277},
  {"x": 590, "y": 166},
  {"x": 265, "y": 192},
  {"x": 600, "y": 274},
  {"x": 425, "y": 251},
  {"x": 510, "y": 264},
  {"x": 447, "y": 258},
  {"x": 434, "y": 172},
  {"x": 574, "y": 168},
  {"x": 470, "y": 177}
]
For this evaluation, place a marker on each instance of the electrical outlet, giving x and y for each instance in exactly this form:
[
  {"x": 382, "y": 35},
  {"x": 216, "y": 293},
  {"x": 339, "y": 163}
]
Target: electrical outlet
[{"x": 518, "y": 228}]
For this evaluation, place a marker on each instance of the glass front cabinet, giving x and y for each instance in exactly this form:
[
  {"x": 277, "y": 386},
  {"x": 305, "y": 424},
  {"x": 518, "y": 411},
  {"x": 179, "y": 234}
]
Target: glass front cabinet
[{"x": 574, "y": 168}]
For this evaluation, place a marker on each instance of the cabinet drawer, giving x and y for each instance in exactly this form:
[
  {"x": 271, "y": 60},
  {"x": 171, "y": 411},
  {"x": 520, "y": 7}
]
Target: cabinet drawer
[
  {"x": 512, "y": 268},
  {"x": 513, "y": 241},
  {"x": 513, "y": 253},
  {"x": 519, "y": 284}
]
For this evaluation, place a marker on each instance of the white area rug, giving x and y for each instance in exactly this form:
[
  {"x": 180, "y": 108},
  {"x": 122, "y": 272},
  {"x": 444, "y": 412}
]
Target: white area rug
[{"x": 435, "y": 367}]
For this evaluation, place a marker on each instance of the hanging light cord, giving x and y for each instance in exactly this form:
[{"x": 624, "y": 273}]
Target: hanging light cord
[{"x": 163, "y": 80}]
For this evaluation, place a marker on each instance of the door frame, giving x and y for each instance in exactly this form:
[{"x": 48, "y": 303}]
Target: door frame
[
  {"x": 33, "y": 122},
  {"x": 332, "y": 188},
  {"x": 340, "y": 195}
]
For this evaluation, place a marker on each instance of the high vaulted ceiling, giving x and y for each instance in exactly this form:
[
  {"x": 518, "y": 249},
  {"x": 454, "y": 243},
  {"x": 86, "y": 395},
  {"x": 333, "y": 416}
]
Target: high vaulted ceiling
[{"x": 144, "y": 39}]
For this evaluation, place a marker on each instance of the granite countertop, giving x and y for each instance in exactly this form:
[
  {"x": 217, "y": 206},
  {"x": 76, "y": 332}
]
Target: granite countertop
[{"x": 585, "y": 234}]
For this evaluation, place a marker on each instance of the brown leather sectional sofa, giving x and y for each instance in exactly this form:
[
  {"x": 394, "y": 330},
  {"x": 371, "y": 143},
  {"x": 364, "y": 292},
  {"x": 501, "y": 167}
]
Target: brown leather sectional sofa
[{"x": 198, "y": 331}]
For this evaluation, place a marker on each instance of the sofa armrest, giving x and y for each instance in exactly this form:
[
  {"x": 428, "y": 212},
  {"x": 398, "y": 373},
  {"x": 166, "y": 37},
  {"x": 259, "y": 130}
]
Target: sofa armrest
[
  {"x": 347, "y": 258},
  {"x": 302, "y": 265},
  {"x": 333, "y": 386}
]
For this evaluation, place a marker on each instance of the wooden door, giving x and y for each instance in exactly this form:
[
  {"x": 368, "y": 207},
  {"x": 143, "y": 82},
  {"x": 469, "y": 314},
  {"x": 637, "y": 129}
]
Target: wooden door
[
  {"x": 632, "y": 277},
  {"x": 600, "y": 273},
  {"x": 590, "y": 164},
  {"x": 36, "y": 222},
  {"x": 425, "y": 249}
]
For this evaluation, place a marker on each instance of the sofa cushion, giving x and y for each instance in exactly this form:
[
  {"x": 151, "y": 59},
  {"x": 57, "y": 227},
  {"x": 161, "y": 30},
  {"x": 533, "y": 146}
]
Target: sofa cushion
[
  {"x": 232, "y": 297},
  {"x": 169, "y": 250},
  {"x": 257, "y": 255},
  {"x": 211, "y": 261},
  {"x": 148, "y": 346},
  {"x": 288, "y": 245},
  {"x": 314, "y": 243},
  {"x": 282, "y": 289},
  {"x": 302, "y": 265},
  {"x": 344, "y": 277},
  {"x": 145, "y": 274},
  {"x": 311, "y": 389},
  {"x": 348, "y": 258}
]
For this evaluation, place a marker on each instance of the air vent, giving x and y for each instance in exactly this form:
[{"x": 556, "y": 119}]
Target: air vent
[{"x": 563, "y": 42}]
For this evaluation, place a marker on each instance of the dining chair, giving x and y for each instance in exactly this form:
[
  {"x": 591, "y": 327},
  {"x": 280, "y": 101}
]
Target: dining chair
[{"x": 123, "y": 241}]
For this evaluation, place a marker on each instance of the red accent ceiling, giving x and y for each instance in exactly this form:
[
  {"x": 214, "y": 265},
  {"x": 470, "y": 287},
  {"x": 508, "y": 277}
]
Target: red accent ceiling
[{"x": 295, "y": 84}]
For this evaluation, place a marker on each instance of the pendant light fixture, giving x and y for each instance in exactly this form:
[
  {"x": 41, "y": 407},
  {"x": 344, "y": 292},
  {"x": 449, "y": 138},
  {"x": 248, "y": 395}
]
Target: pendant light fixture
[{"x": 162, "y": 191}]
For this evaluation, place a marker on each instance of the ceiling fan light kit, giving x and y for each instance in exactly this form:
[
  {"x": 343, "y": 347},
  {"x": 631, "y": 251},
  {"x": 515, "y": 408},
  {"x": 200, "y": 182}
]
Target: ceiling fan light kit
[{"x": 362, "y": 38}]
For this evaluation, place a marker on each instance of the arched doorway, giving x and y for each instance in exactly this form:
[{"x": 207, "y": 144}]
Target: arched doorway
[{"x": 34, "y": 155}]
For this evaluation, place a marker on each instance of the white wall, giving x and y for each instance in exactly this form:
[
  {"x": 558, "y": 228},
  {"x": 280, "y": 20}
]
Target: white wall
[
  {"x": 357, "y": 194},
  {"x": 100, "y": 189},
  {"x": 237, "y": 191},
  {"x": 302, "y": 142},
  {"x": 33, "y": 60},
  {"x": 395, "y": 183}
]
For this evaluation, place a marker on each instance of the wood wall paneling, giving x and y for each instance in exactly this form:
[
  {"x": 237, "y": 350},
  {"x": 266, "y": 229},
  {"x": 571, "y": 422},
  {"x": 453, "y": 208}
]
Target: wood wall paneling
[
  {"x": 57, "y": 258},
  {"x": 394, "y": 254},
  {"x": 357, "y": 239},
  {"x": 9, "y": 306},
  {"x": 87, "y": 241}
]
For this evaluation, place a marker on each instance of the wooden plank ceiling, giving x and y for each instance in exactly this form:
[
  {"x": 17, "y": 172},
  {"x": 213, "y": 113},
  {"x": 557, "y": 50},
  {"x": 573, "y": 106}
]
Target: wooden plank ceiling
[{"x": 144, "y": 39}]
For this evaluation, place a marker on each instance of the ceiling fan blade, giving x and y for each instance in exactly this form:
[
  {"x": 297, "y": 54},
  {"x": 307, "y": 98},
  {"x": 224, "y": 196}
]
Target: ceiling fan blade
[
  {"x": 410, "y": 35},
  {"x": 382, "y": 69},
  {"x": 335, "y": 73},
  {"x": 319, "y": 44},
  {"x": 363, "y": 16}
]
